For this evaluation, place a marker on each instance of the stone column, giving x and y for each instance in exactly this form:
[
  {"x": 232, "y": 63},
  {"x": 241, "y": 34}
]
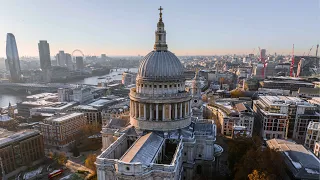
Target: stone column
[
  {"x": 139, "y": 111},
  {"x": 131, "y": 110},
  {"x": 151, "y": 112},
  {"x": 170, "y": 111},
  {"x": 157, "y": 112},
  {"x": 185, "y": 109},
  {"x": 163, "y": 112},
  {"x": 135, "y": 109},
  {"x": 144, "y": 111},
  {"x": 189, "y": 107},
  {"x": 175, "y": 111},
  {"x": 180, "y": 110}
]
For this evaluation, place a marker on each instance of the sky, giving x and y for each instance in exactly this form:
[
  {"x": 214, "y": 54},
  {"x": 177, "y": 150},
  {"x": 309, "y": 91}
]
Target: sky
[{"x": 126, "y": 27}]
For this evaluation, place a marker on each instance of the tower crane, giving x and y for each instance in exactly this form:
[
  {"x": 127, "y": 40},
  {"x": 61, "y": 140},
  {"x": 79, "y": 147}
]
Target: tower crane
[{"x": 310, "y": 50}]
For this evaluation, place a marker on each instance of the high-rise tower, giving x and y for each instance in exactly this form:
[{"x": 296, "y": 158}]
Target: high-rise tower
[
  {"x": 44, "y": 54},
  {"x": 13, "y": 58}
]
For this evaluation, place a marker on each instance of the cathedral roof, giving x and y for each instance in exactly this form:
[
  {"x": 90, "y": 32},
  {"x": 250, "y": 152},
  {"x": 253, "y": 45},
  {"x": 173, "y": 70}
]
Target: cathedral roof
[{"x": 160, "y": 65}]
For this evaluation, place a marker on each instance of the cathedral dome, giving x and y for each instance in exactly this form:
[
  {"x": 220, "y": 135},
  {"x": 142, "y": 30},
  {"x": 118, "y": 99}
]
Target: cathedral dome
[{"x": 160, "y": 65}]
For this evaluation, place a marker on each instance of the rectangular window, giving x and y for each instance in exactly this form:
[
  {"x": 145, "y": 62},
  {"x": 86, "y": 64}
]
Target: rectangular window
[{"x": 165, "y": 86}]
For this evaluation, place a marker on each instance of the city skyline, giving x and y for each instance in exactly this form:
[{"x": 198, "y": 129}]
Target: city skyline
[{"x": 207, "y": 28}]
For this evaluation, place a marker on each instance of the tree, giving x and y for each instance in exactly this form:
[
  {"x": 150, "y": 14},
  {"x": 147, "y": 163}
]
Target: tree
[
  {"x": 61, "y": 158},
  {"x": 89, "y": 162},
  {"x": 76, "y": 176},
  {"x": 51, "y": 155},
  {"x": 91, "y": 129},
  {"x": 237, "y": 93},
  {"x": 256, "y": 175},
  {"x": 265, "y": 161},
  {"x": 237, "y": 148}
]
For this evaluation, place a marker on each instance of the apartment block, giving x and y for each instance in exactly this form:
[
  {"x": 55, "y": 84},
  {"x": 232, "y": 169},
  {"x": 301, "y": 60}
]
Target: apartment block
[{"x": 61, "y": 130}]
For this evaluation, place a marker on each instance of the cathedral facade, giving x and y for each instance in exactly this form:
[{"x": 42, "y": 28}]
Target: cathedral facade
[{"x": 161, "y": 139}]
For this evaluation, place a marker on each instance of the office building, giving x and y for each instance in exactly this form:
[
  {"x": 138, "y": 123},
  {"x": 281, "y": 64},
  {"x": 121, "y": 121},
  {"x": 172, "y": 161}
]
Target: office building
[
  {"x": 62, "y": 129},
  {"x": 231, "y": 113},
  {"x": 286, "y": 83},
  {"x": 20, "y": 150},
  {"x": 282, "y": 116},
  {"x": 306, "y": 92},
  {"x": 258, "y": 71},
  {"x": 128, "y": 78},
  {"x": 301, "y": 124},
  {"x": 270, "y": 69},
  {"x": 44, "y": 54},
  {"x": 69, "y": 62},
  {"x": 79, "y": 63},
  {"x": 316, "y": 149},
  {"x": 79, "y": 94},
  {"x": 13, "y": 58},
  {"x": 61, "y": 59},
  {"x": 312, "y": 135}
]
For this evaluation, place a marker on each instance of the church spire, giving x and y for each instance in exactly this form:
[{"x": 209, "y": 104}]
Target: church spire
[
  {"x": 160, "y": 9},
  {"x": 160, "y": 35}
]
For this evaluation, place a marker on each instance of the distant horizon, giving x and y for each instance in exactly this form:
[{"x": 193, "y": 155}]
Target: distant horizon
[
  {"x": 125, "y": 28},
  {"x": 52, "y": 57}
]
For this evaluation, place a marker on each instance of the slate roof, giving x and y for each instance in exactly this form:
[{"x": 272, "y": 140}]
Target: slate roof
[
  {"x": 144, "y": 150},
  {"x": 301, "y": 162}
]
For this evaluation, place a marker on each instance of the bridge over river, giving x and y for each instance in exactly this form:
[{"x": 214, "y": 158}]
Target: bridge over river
[{"x": 33, "y": 87}]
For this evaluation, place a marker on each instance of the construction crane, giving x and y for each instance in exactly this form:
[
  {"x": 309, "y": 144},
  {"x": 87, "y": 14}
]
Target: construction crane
[
  {"x": 310, "y": 50},
  {"x": 292, "y": 62}
]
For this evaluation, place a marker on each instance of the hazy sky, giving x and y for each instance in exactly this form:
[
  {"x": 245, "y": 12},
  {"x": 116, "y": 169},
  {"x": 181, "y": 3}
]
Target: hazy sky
[{"x": 126, "y": 27}]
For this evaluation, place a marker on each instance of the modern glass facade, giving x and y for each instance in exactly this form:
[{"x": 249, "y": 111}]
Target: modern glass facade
[
  {"x": 44, "y": 54},
  {"x": 13, "y": 58}
]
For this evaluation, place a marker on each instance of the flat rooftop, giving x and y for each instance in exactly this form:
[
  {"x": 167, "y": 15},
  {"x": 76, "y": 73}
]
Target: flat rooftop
[
  {"x": 302, "y": 163},
  {"x": 101, "y": 103},
  {"x": 36, "y": 103},
  {"x": 58, "y": 105},
  {"x": 64, "y": 117},
  {"x": 284, "y": 100},
  {"x": 144, "y": 150},
  {"x": 43, "y": 96},
  {"x": 7, "y": 137}
]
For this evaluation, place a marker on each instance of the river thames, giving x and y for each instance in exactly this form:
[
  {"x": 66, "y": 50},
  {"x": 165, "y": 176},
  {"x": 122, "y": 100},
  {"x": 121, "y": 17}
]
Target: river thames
[{"x": 114, "y": 75}]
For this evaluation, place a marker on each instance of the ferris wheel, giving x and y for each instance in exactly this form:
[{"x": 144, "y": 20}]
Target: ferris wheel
[{"x": 77, "y": 51}]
